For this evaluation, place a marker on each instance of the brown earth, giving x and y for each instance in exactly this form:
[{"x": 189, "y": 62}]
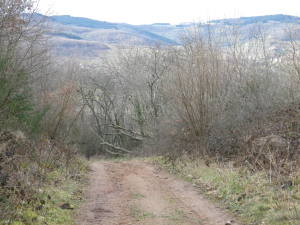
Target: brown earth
[{"x": 138, "y": 193}]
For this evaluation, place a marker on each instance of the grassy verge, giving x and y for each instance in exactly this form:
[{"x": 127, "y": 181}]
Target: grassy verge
[
  {"x": 251, "y": 196},
  {"x": 62, "y": 187}
]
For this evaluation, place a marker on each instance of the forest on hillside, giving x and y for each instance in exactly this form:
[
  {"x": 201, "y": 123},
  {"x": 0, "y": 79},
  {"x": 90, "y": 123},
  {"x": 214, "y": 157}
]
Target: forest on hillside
[{"x": 213, "y": 98}]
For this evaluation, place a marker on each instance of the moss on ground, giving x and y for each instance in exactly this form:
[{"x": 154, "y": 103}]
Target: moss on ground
[{"x": 251, "y": 196}]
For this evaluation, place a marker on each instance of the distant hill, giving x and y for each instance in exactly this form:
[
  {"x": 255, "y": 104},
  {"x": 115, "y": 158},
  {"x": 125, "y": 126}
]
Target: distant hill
[
  {"x": 86, "y": 37},
  {"x": 259, "y": 19},
  {"x": 83, "y": 22}
]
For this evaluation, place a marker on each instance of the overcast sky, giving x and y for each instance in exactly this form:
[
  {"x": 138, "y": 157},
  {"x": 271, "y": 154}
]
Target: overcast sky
[{"x": 170, "y": 11}]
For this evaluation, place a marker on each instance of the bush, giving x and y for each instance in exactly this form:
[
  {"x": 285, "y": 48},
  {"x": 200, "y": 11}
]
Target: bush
[{"x": 26, "y": 168}]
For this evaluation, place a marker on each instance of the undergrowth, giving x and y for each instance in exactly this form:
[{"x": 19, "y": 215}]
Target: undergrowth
[
  {"x": 251, "y": 196},
  {"x": 62, "y": 186}
]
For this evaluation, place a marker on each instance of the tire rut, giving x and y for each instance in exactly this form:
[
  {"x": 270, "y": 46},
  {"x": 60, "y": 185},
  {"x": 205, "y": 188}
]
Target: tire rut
[{"x": 136, "y": 193}]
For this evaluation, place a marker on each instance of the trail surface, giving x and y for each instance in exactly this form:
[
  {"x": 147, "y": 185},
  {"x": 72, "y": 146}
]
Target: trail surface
[{"x": 138, "y": 193}]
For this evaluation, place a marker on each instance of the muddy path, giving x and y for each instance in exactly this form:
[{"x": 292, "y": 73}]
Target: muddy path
[{"x": 138, "y": 193}]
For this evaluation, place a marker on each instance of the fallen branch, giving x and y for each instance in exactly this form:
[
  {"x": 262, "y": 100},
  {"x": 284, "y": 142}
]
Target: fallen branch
[
  {"x": 130, "y": 131},
  {"x": 113, "y": 153}
]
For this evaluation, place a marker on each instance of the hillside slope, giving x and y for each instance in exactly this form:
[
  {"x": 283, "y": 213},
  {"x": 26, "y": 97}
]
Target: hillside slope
[{"x": 87, "y": 37}]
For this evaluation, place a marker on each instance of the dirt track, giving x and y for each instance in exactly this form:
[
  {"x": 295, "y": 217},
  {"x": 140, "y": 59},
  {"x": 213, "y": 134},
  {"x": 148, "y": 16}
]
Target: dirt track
[{"x": 137, "y": 193}]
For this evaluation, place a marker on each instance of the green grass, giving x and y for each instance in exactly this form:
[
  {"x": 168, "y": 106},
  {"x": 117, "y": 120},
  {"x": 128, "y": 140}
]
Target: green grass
[
  {"x": 137, "y": 196},
  {"x": 249, "y": 195},
  {"x": 69, "y": 193},
  {"x": 60, "y": 188},
  {"x": 140, "y": 214},
  {"x": 176, "y": 216}
]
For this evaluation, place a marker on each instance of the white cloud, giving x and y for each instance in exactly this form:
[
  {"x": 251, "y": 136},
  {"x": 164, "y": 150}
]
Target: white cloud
[{"x": 172, "y": 11}]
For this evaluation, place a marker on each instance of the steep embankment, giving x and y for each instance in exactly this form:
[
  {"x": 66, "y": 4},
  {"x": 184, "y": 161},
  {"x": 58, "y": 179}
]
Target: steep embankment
[{"x": 40, "y": 182}]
